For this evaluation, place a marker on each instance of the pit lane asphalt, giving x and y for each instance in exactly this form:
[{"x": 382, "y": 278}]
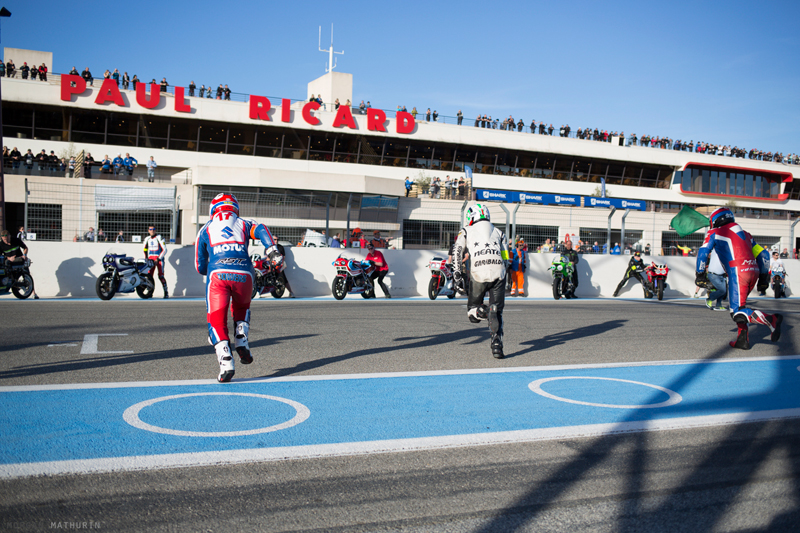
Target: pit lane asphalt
[{"x": 729, "y": 477}]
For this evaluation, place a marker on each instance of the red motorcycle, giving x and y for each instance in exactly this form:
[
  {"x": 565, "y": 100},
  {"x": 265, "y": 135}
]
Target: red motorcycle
[
  {"x": 442, "y": 282},
  {"x": 657, "y": 278},
  {"x": 352, "y": 277},
  {"x": 268, "y": 278}
]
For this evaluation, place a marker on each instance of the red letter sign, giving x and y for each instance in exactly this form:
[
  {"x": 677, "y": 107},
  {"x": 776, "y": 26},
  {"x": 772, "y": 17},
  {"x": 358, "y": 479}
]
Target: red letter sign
[
  {"x": 180, "y": 101},
  {"x": 405, "y": 122},
  {"x": 376, "y": 120},
  {"x": 67, "y": 90},
  {"x": 259, "y": 107},
  {"x": 141, "y": 95},
  {"x": 307, "y": 116},
  {"x": 286, "y": 110},
  {"x": 344, "y": 116},
  {"x": 109, "y": 92}
]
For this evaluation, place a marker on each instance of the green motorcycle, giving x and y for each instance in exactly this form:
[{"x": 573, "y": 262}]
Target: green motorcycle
[{"x": 562, "y": 277}]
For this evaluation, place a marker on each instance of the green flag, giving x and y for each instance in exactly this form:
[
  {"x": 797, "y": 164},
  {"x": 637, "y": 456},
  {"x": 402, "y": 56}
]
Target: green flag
[{"x": 688, "y": 221}]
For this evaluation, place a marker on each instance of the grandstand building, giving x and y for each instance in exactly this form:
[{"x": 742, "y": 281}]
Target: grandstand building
[{"x": 296, "y": 165}]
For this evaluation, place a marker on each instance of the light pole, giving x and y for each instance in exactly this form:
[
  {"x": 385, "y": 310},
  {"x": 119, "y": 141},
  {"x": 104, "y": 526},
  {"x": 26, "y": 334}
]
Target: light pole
[{"x": 3, "y": 13}]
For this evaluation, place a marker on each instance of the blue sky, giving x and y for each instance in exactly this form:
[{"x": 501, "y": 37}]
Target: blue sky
[{"x": 720, "y": 72}]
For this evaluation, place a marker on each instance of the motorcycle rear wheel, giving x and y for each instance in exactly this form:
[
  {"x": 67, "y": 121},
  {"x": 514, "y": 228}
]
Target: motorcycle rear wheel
[
  {"x": 660, "y": 289},
  {"x": 338, "y": 288},
  {"x": 370, "y": 293},
  {"x": 146, "y": 292},
  {"x": 23, "y": 289},
  {"x": 433, "y": 287},
  {"x": 557, "y": 288},
  {"x": 105, "y": 286},
  {"x": 256, "y": 285}
]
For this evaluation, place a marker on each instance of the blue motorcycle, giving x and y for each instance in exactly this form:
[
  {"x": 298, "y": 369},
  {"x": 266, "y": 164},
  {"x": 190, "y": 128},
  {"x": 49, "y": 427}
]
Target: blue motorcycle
[
  {"x": 125, "y": 274},
  {"x": 778, "y": 276}
]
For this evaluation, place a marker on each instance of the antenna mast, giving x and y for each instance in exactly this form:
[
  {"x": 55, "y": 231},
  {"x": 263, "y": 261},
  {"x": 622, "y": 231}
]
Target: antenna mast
[{"x": 331, "y": 61}]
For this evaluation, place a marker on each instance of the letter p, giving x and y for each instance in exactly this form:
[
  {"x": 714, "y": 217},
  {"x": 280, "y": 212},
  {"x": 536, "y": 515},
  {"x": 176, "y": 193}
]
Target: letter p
[{"x": 67, "y": 87}]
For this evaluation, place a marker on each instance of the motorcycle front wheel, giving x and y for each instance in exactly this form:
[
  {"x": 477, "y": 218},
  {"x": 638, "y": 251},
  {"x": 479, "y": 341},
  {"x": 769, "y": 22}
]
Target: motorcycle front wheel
[
  {"x": 23, "y": 287},
  {"x": 776, "y": 288},
  {"x": 338, "y": 288},
  {"x": 660, "y": 289},
  {"x": 146, "y": 292},
  {"x": 433, "y": 287},
  {"x": 370, "y": 293},
  {"x": 279, "y": 289},
  {"x": 557, "y": 288},
  {"x": 256, "y": 285},
  {"x": 105, "y": 286}
]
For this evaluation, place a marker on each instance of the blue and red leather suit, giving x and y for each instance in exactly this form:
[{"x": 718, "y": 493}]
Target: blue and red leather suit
[
  {"x": 221, "y": 253},
  {"x": 743, "y": 261}
]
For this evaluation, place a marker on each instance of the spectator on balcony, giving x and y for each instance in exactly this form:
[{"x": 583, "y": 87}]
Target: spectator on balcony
[
  {"x": 448, "y": 188},
  {"x": 209, "y": 93},
  {"x": 87, "y": 76},
  {"x": 25, "y": 70},
  {"x": 107, "y": 75},
  {"x": 533, "y": 126},
  {"x": 6, "y": 155},
  {"x": 34, "y": 72},
  {"x": 520, "y": 125},
  {"x": 29, "y": 158},
  {"x": 130, "y": 163},
  {"x": 409, "y": 184},
  {"x": 41, "y": 160},
  {"x": 192, "y": 87},
  {"x": 134, "y": 81},
  {"x": 219, "y": 93},
  {"x": 462, "y": 185},
  {"x": 435, "y": 115},
  {"x": 10, "y": 68},
  {"x": 71, "y": 166},
  {"x": 542, "y": 128},
  {"x": 202, "y": 90},
  {"x": 43, "y": 72},
  {"x": 2, "y": 69},
  {"x": 362, "y": 108},
  {"x": 126, "y": 81},
  {"x": 118, "y": 164},
  {"x": 428, "y": 115},
  {"x": 55, "y": 162},
  {"x": 88, "y": 161},
  {"x": 459, "y": 116},
  {"x": 105, "y": 165},
  {"x": 101, "y": 236},
  {"x": 15, "y": 157},
  {"x": 151, "y": 169},
  {"x": 227, "y": 92},
  {"x": 164, "y": 85},
  {"x": 436, "y": 186},
  {"x": 120, "y": 237},
  {"x": 115, "y": 76},
  {"x": 89, "y": 235}
]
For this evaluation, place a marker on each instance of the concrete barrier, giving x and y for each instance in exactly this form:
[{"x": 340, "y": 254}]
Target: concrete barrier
[{"x": 70, "y": 269}]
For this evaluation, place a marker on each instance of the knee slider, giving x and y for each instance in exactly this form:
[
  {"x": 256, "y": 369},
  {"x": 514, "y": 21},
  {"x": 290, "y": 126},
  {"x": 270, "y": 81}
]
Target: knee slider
[
  {"x": 740, "y": 318},
  {"x": 483, "y": 312},
  {"x": 493, "y": 309}
]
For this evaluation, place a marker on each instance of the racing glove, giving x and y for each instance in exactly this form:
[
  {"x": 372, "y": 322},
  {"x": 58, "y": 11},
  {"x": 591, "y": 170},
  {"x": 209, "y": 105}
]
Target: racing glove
[
  {"x": 275, "y": 256},
  {"x": 763, "y": 282},
  {"x": 701, "y": 279},
  {"x": 457, "y": 276}
]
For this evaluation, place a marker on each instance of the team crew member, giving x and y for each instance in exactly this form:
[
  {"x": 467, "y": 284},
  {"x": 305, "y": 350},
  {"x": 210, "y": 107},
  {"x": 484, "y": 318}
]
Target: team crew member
[
  {"x": 13, "y": 250},
  {"x": 488, "y": 250},
  {"x": 155, "y": 249},
  {"x": 381, "y": 267},
  {"x": 221, "y": 254},
  {"x": 747, "y": 265},
  {"x": 634, "y": 270}
]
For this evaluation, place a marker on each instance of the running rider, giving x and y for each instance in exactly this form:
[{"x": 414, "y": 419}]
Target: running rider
[
  {"x": 488, "y": 250},
  {"x": 221, "y": 254}
]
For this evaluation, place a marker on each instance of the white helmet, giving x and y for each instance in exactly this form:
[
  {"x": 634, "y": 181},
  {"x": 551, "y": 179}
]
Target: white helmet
[{"x": 477, "y": 212}]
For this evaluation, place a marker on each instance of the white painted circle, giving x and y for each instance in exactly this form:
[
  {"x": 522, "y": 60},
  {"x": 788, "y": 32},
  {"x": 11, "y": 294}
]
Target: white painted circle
[
  {"x": 131, "y": 416},
  {"x": 674, "y": 397}
]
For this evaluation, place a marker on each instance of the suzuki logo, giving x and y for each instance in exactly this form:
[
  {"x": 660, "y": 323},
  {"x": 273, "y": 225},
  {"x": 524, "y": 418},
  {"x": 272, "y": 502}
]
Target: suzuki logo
[{"x": 227, "y": 232}]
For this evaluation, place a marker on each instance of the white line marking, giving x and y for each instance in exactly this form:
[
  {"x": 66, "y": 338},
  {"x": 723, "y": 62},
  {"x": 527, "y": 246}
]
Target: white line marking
[
  {"x": 90, "y": 344},
  {"x": 674, "y": 397},
  {"x": 131, "y": 416},
  {"x": 152, "y": 462},
  {"x": 62, "y": 344},
  {"x": 330, "y": 377}
]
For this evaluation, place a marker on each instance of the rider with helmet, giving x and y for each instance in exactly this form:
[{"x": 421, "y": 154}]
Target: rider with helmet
[
  {"x": 776, "y": 265},
  {"x": 221, "y": 254},
  {"x": 155, "y": 250},
  {"x": 488, "y": 250},
  {"x": 635, "y": 269},
  {"x": 747, "y": 265}
]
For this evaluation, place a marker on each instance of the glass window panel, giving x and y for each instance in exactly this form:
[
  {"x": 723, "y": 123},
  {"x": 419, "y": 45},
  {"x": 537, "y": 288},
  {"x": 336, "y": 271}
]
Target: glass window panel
[
  {"x": 87, "y": 121},
  {"x": 739, "y": 185},
  {"x": 269, "y": 137},
  {"x": 748, "y": 185},
  {"x": 421, "y": 155},
  {"x": 213, "y": 133},
  {"x": 525, "y": 163},
  {"x": 443, "y": 157},
  {"x": 705, "y": 180},
  {"x": 120, "y": 124},
  {"x": 371, "y": 150},
  {"x": 183, "y": 129},
  {"x": 396, "y": 153},
  {"x": 713, "y": 182},
  {"x": 242, "y": 136},
  {"x": 544, "y": 167},
  {"x": 580, "y": 171}
]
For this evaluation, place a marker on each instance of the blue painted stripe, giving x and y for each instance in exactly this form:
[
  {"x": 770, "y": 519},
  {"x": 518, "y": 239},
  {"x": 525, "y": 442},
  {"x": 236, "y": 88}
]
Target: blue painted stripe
[{"x": 68, "y": 423}]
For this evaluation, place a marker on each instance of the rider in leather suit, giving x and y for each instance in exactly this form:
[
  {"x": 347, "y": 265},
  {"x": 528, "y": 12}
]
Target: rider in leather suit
[{"x": 635, "y": 270}]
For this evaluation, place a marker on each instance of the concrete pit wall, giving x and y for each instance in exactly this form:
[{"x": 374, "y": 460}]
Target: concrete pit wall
[{"x": 70, "y": 270}]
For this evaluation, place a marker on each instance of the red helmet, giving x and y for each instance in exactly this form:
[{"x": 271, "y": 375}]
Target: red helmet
[{"x": 224, "y": 202}]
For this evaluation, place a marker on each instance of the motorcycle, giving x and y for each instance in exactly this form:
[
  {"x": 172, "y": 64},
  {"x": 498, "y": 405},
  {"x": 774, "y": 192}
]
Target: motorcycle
[
  {"x": 778, "y": 276},
  {"x": 657, "y": 278},
  {"x": 125, "y": 274},
  {"x": 15, "y": 276},
  {"x": 442, "y": 282},
  {"x": 561, "y": 269},
  {"x": 352, "y": 277},
  {"x": 268, "y": 279}
]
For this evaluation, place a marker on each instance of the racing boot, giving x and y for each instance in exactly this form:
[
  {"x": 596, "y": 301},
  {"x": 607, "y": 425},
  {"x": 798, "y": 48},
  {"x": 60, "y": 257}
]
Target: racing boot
[
  {"x": 497, "y": 346},
  {"x": 241, "y": 344},
  {"x": 777, "y": 318},
  {"x": 225, "y": 361},
  {"x": 742, "y": 339}
]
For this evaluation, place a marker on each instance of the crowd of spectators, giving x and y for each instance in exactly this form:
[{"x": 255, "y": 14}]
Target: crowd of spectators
[
  {"x": 9, "y": 69},
  {"x": 63, "y": 166}
]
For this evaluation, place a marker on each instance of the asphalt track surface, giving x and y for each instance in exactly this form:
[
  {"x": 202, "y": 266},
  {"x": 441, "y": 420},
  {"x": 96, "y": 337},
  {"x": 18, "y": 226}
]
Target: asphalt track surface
[{"x": 606, "y": 415}]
